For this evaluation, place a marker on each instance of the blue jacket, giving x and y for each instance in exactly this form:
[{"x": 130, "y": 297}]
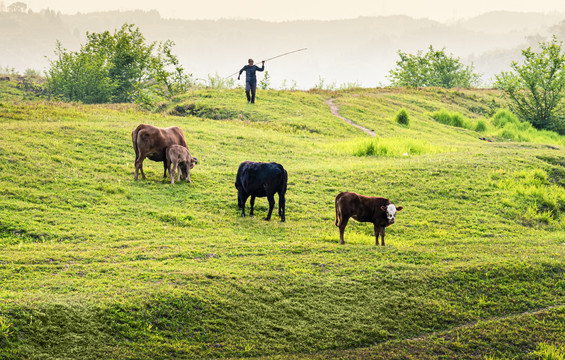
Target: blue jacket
[{"x": 250, "y": 72}]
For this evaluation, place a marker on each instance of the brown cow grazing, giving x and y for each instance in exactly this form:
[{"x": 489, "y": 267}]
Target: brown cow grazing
[
  {"x": 180, "y": 156},
  {"x": 376, "y": 210},
  {"x": 150, "y": 142}
]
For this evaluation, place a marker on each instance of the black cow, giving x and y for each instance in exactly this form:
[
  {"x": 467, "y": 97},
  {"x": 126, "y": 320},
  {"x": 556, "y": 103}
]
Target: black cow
[{"x": 259, "y": 179}]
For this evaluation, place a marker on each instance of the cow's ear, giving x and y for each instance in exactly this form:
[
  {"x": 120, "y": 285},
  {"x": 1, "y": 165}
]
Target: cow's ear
[
  {"x": 383, "y": 208},
  {"x": 399, "y": 208}
]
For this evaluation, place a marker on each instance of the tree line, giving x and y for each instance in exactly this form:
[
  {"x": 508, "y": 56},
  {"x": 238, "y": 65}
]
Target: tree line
[{"x": 535, "y": 86}]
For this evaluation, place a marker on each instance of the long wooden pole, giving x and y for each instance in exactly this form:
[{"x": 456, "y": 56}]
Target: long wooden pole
[{"x": 274, "y": 57}]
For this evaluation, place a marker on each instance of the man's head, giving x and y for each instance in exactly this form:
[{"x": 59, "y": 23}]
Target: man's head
[{"x": 250, "y": 61}]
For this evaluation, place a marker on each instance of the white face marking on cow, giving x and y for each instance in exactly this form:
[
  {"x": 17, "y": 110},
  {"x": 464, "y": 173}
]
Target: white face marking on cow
[{"x": 391, "y": 213}]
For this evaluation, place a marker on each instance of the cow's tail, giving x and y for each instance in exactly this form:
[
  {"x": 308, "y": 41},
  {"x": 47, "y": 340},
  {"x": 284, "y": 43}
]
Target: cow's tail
[
  {"x": 238, "y": 184},
  {"x": 338, "y": 216},
  {"x": 134, "y": 141},
  {"x": 285, "y": 181}
]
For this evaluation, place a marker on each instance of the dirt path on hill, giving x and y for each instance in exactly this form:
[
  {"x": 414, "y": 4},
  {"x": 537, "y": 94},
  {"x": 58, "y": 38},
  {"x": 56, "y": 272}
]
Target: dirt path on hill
[
  {"x": 488, "y": 320},
  {"x": 335, "y": 111}
]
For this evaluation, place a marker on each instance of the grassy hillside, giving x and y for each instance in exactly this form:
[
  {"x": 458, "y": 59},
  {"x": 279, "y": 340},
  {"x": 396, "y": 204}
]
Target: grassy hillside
[{"x": 96, "y": 265}]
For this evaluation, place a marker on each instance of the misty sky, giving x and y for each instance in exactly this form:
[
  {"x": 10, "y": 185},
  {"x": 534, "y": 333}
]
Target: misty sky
[{"x": 280, "y": 10}]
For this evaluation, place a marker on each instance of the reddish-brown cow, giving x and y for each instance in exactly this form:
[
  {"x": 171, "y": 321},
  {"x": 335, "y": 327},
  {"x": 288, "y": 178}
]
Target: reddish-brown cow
[
  {"x": 151, "y": 142},
  {"x": 376, "y": 210}
]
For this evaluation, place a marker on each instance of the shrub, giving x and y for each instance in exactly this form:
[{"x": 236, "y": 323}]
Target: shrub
[
  {"x": 119, "y": 67},
  {"x": 509, "y": 126},
  {"x": 503, "y": 117},
  {"x": 218, "y": 82},
  {"x": 402, "y": 117},
  {"x": 481, "y": 126},
  {"x": 286, "y": 86},
  {"x": 323, "y": 85},
  {"x": 451, "y": 119},
  {"x": 29, "y": 72},
  {"x": 457, "y": 120},
  {"x": 350, "y": 85},
  {"x": 508, "y": 133},
  {"x": 442, "y": 116},
  {"x": 265, "y": 82}
]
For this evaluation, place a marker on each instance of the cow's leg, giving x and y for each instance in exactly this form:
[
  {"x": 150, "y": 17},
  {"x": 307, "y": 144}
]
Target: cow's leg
[
  {"x": 252, "y": 203},
  {"x": 179, "y": 169},
  {"x": 164, "y": 169},
  {"x": 383, "y": 236},
  {"x": 135, "y": 165},
  {"x": 281, "y": 206},
  {"x": 239, "y": 199},
  {"x": 242, "y": 200},
  {"x": 271, "y": 199},
  {"x": 379, "y": 231},
  {"x": 139, "y": 167},
  {"x": 188, "y": 173},
  {"x": 342, "y": 226},
  {"x": 141, "y": 159},
  {"x": 171, "y": 173},
  {"x": 181, "y": 172}
]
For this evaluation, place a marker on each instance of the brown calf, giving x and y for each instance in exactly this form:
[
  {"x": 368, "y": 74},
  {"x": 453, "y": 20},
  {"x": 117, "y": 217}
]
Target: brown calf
[
  {"x": 376, "y": 210},
  {"x": 180, "y": 156}
]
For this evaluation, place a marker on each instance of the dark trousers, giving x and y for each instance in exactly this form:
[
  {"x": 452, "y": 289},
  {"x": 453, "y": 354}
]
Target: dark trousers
[{"x": 250, "y": 89}]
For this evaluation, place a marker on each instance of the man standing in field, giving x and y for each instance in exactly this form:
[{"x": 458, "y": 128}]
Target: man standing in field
[{"x": 251, "y": 79}]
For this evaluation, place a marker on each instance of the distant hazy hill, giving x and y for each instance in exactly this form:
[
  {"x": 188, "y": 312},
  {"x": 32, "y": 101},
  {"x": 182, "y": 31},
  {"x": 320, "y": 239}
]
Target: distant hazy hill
[
  {"x": 501, "y": 22},
  {"x": 356, "y": 50}
]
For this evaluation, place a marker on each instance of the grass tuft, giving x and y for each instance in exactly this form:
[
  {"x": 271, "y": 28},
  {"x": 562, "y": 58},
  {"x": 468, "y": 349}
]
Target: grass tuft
[
  {"x": 389, "y": 147},
  {"x": 402, "y": 118},
  {"x": 452, "y": 119},
  {"x": 550, "y": 352},
  {"x": 532, "y": 198}
]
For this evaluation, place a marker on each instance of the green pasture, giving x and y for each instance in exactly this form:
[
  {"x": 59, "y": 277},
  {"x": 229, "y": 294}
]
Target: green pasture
[{"x": 95, "y": 265}]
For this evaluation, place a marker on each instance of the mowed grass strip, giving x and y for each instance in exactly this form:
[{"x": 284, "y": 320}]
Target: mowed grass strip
[{"x": 96, "y": 265}]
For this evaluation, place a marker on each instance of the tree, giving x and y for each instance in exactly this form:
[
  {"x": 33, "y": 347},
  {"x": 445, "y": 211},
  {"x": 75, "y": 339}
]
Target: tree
[
  {"x": 166, "y": 70},
  {"x": 80, "y": 76},
  {"x": 118, "y": 67},
  {"x": 18, "y": 7},
  {"x": 536, "y": 86},
  {"x": 433, "y": 68}
]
